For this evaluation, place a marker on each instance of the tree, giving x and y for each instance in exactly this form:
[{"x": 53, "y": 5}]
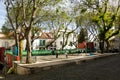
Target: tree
[
  {"x": 82, "y": 35},
  {"x": 52, "y": 23},
  {"x": 56, "y": 21},
  {"x": 18, "y": 7},
  {"x": 5, "y": 30},
  {"x": 23, "y": 14},
  {"x": 104, "y": 18},
  {"x": 35, "y": 33},
  {"x": 84, "y": 20}
]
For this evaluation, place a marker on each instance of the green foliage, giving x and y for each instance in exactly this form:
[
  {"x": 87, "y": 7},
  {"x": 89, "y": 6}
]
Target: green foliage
[
  {"x": 83, "y": 10},
  {"x": 104, "y": 15},
  {"x": 105, "y": 19},
  {"x": 80, "y": 20},
  {"x": 110, "y": 34},
  {"x": 5, "y": 30},
  {"x": 36, "y": 30},
  {"x": 82, "y": 36},
  {"x": 95, "y": 18}
]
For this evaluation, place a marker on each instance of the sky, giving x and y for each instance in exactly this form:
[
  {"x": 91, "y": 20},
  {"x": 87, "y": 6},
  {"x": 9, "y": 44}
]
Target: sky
[{"x": 2, "y": 14}]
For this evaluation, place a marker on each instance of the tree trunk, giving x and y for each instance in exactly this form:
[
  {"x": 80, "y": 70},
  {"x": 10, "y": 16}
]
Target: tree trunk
[
  {"x": 63, "y": 43},
  {"x": 20, "y": 50},
  {"x": 16, "y": 38},
  {"x": 107, "y": 48},
  {"x": 119, "y": 45},
  {"x": 29, "y": 51},
  {"x": 102, "y": 46}
]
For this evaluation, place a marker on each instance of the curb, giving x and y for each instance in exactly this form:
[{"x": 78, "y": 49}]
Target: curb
[{"x": 35, "y": 68}]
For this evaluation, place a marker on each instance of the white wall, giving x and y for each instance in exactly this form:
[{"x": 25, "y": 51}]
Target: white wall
[
  {"x": 6, "y": 42},
  {"x": 71, "y": 38},
  {"x": 36, "y": 44}
]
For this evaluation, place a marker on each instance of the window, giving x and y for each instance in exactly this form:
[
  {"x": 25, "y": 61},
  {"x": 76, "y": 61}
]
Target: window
[
  {"x": 6, "y": 44},
  {"x": 42, "y": 43},
  {"x": 61, "y": 42}
]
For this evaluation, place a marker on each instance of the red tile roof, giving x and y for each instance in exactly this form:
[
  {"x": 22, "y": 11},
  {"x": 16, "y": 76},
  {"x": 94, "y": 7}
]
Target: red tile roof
[
  {"x": 3, "y": 36},
  {"x": 46, "y": 35}
]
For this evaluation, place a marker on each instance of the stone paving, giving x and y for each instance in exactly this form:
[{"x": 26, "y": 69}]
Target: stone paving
[
  {"x": 40, "y": 59},
  {"x": 53, "y": 57}
]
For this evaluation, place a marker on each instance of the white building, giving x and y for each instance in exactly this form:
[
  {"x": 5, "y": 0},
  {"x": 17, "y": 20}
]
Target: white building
[
  {"x": 40, "y": 42},
  {"x": 5, "y": 41},
  {"x": 72, "y": 38},
  {"x": 45, "y": 38}
]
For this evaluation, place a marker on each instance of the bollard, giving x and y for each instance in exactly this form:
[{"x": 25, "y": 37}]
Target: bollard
[
  {"x": 56, "y": 55},
  {"x": 66, "y": 55}
]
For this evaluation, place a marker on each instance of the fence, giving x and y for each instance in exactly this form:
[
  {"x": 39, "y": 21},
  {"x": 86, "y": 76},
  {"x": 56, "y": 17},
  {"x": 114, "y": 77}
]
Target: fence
[{"x": 51, "y": 52}]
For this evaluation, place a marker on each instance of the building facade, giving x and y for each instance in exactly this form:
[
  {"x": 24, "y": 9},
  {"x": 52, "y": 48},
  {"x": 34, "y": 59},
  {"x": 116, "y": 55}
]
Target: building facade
[{"x": 5, "y": 41}]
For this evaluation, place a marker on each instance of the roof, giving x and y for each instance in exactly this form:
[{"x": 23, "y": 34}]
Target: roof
[
  {"x": 3, "y": 36},
  {"x": 45, "y": 35},
  {"x": 11, "y": 34}
]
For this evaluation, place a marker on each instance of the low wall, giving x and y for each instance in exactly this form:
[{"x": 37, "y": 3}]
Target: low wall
[{"x": 23, "y": 69}]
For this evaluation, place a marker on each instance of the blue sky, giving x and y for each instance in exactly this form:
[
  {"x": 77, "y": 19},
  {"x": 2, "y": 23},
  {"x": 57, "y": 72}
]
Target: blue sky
[{"x": 2, "y": 14}]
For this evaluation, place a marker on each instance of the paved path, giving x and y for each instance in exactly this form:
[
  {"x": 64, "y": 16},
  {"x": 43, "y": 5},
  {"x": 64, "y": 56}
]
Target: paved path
[{"x": 101, "y": 69}]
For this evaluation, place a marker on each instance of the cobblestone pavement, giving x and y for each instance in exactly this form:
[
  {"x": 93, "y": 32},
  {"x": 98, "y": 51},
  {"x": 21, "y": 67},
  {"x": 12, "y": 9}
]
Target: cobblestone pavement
[{"x": 101, "y": 69}]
